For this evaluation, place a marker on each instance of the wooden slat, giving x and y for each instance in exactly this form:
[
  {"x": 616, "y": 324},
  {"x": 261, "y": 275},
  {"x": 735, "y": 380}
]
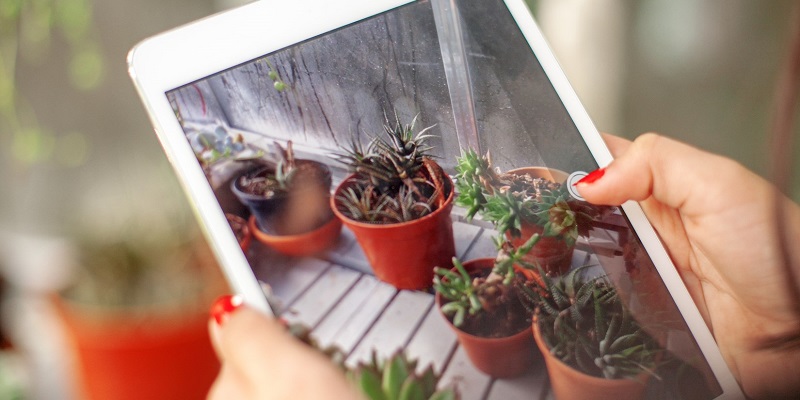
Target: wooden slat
[
  {"x": 351, "y": 255},
  {"x": 290, "y": 277},
  {"x": 394, "y": 327},
  {"x": 320, "y": 297},
  {"x": 483, "y": 246},
  {"x": 461, "y": 374},
  {"x": 433, "y": 342},
  {"x": 464, "y": 235},
  {"x": 532, "y": 385},
  {"x": 354, "y": 314}
]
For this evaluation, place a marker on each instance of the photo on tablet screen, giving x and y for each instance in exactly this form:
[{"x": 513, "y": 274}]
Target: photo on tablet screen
[{"x": 352, "y": 164}]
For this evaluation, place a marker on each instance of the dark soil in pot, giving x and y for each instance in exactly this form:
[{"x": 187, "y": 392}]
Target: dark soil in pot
[
  {"x": 503, "y": 314},
  {"x": 301, "y": 205}
]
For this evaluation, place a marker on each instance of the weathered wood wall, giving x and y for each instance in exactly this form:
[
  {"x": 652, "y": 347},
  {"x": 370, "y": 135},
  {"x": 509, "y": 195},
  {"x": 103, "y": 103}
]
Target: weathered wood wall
[{"x": 340, "y": 85}]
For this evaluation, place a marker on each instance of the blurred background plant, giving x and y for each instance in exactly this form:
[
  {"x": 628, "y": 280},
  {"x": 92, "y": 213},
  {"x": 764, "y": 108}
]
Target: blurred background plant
[{"x": 29, "y": 30}]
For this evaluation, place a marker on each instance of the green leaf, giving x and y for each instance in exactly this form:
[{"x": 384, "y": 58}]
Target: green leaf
[
  {"x": 411, "y": 390},
  {"x": 446, "y": 394},
  {"x": 394, "y": 374},
  {"x": 370, "y": 384}
]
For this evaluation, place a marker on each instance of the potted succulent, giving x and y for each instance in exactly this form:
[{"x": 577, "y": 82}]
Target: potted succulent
[
  {"x": 523, "y": 202},
  {"x": 483, "y": 303},
  {"x": 592, "y": 346},
  {"x": 136, "y": 320},
  {"x": 397, "y": 202},
  {"x": 397, "y": 377},
  {"x": 289, "y": 204}
]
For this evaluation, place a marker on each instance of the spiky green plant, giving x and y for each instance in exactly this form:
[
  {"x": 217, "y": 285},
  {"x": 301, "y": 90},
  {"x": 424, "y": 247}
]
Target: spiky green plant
[
  {"x": 465, "y": 295},
  {"x": 458, "y": 289},
  {"x": 475, "y": 179},
  {"x": 396, "y": 379},
  {"x": 508, "y": 200},
  {"x": 585, "y": 325},
  {"x": 270, "y": 184},
  {"x": 396, "y": 172}
]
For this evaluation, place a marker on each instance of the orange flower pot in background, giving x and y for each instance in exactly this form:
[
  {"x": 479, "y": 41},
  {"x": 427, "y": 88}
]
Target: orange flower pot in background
[{"x": 127, "y": 356}]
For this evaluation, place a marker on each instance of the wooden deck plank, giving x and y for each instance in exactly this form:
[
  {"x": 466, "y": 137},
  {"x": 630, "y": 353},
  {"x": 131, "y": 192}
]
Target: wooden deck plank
[
  {"x": 394, "y": 328},
  {"x": 321, "y": 296},
  {"x": 350, "y": 253},
  {"x": 288, "y": 278},
  {"x": 461, "y": 374},
  {"x": 433, "y": 342},
  {"x": 464, "y": 234},
  {"x": 354, "y": 314},
  {"x": 483, "y": 246},
  {"x": 532, "y": 385}
]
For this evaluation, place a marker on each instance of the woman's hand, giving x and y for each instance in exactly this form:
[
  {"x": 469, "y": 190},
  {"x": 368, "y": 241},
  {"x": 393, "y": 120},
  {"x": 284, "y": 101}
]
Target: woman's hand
[
  {"x": 718, "y": 221},
  {"x": 261, "y": 360}
]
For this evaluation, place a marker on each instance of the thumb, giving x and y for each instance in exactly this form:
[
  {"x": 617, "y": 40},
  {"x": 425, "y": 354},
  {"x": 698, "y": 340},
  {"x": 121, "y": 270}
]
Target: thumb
[{"x": 241, "y": 335}]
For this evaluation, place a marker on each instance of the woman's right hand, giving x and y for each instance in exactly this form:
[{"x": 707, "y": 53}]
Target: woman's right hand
[{"x": 719, "y": 222}]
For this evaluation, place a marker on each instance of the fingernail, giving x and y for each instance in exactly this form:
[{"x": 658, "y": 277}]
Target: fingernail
[
  {"x": 224, "y": 307},
  {"x": 591, "y": 178}
]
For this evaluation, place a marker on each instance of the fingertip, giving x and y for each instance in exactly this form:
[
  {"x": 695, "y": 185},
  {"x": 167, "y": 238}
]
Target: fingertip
[
  {"x": 224, "y": 306},
  {"x": 597, "y": 187}
]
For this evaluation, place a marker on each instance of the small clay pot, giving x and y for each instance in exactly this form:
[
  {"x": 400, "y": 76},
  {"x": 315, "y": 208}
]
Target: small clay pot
[
  {"x": 504, "y": 357},
  {"x": 304, "y": 244},
  {"x": 571, "y": 384},
  {"x": 404, "y": 254},
  {"x": 551, "y": 253}
]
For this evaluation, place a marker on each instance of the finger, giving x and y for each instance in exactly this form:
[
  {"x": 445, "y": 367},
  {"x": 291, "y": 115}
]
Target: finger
[
  {"x": 228, "y": 385},
  {"x": 273, "y": 364},
  {"x": 248, "y": 338},
  {"x": 616, "y": 144},
  {"x": 219, "y": 313},
  {"x": 213, "y": 333},
  {"x": 677, "y": 175}
]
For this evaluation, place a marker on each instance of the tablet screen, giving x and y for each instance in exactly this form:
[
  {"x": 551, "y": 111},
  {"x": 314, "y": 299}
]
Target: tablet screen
[{"x": 467, "y": 79}]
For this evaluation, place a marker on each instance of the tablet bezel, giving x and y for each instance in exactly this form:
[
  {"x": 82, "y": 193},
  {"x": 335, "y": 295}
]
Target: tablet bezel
[{"x": 203, "y": 48}]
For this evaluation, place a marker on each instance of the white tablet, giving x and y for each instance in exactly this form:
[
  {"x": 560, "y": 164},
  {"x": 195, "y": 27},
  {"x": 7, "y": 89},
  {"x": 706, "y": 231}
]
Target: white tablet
[{"x": 246, "y": 100}]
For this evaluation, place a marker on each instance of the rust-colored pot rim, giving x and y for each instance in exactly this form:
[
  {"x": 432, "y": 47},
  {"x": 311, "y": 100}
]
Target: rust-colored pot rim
[
  {"x": 478, "y": 264},
  {"x": 595, "y": 380},
  {"x": 553, "y": 172},
  {"x": 399, "y": 225},
  {"x": 286, "y": 239}
]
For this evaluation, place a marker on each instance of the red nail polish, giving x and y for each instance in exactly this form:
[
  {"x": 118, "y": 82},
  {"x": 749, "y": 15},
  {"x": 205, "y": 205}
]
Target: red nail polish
[
  {"x": 224, "y": 306},
  {"x": 592, "y": 177}
]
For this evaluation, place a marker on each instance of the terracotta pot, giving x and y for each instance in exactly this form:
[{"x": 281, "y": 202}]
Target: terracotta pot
[
  {"x": 125, "y": 356},
  {"x": 404, "y": 254},
  {"x": 304, "y": 244},
  {"x": 505, "y": 357},
  {"x": 570, "y": 384},
  {"x": 551, "y": 253}
]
